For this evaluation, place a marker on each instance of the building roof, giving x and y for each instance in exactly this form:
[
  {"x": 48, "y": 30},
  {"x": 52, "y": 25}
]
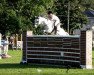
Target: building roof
[{"x": 89, "y": 13}]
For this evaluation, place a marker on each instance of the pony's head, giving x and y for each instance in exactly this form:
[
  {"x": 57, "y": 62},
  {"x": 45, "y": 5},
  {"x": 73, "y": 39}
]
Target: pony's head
[
  {"x": 40, "y": 24},
  {"x": 40, "y": 21}
]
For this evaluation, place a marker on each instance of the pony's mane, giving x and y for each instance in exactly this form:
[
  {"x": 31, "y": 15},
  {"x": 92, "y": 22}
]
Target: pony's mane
[{"x": 42, "y": 17}]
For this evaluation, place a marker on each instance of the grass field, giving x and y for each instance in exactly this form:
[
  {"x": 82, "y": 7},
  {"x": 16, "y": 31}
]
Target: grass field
[{"x": 11, "y": 66}]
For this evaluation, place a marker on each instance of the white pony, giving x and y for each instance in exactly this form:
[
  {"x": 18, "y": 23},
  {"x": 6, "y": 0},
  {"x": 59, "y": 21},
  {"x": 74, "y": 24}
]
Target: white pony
[{"x": 49, "y": 26}]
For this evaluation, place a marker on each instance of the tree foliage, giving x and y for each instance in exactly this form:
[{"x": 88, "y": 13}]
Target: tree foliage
[
  {"x": 77, "y": 17},
  {"x": 19, "y": 15}
]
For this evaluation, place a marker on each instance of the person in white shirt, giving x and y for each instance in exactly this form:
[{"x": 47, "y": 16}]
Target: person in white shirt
[
  {"x": 5, "y": 47},
  {"x": 56, "y": 24}
]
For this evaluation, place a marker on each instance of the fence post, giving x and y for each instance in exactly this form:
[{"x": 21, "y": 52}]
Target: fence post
[
  {"x": 24, "y": 49},
  {"x": 86, "y": 49}
]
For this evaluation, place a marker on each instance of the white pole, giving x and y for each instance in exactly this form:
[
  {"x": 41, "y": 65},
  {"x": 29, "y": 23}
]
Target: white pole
[{"x": 68, "y": 16}]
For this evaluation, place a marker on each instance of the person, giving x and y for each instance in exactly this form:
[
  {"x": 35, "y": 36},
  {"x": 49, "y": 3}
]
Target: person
[
  {"x": 4, "y": 42},
  {"x": 55, "y": 20},
  {"x": 56, "y": 24}
]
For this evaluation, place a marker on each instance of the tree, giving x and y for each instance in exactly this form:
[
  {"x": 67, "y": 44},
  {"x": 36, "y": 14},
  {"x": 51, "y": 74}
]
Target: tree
[
  {"x": 77, "y": 7},
  {"x": 8, "y": 19},
  {"x": 19, "y": 15}
]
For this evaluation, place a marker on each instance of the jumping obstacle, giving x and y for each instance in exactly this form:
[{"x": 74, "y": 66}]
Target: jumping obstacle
[{"x": 74, "y": 50}]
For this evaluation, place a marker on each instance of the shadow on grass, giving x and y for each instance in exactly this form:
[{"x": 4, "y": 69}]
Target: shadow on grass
[{"x": 15, "y": 66}]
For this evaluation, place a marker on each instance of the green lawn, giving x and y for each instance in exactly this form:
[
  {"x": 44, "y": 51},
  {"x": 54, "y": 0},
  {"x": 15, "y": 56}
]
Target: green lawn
[{"x": 11, "y": 66}]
